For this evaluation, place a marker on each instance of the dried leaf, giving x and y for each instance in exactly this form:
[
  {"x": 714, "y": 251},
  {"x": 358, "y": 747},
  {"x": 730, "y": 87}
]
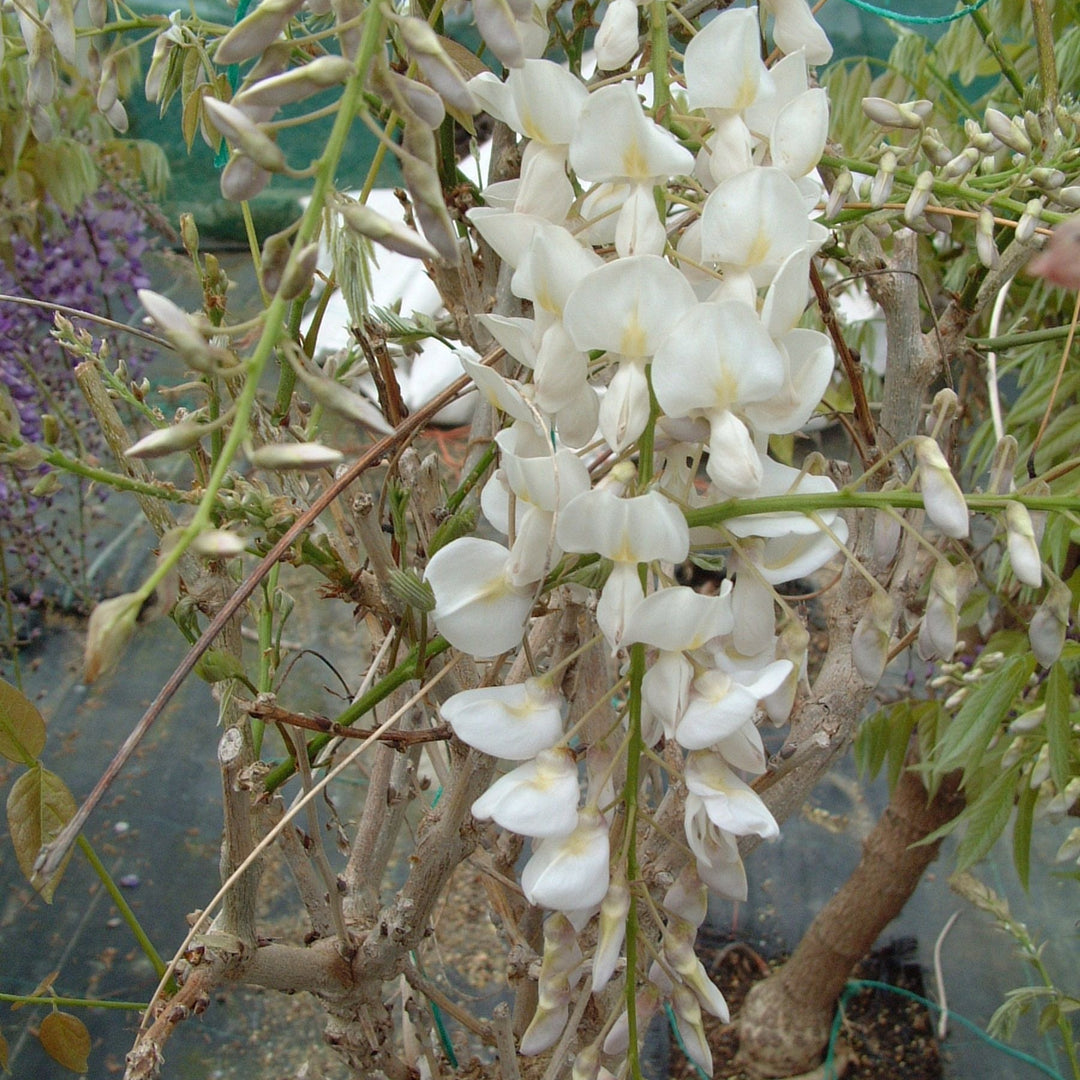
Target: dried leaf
[
  {"x": 39, "y": 805},
  {"x": 22, "y": 727},
  {"x": 66, "y": 1040}
]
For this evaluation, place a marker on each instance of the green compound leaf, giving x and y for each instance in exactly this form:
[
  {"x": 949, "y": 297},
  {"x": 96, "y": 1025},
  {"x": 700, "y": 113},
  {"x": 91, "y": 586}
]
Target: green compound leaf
[
  {"x": 39, "y": 805},
  {"x": 22, "y": 728}
]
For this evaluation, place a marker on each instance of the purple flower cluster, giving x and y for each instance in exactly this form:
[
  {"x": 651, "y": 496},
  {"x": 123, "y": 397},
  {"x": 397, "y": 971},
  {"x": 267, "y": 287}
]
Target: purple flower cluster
[{"x": 92, "y": 260}]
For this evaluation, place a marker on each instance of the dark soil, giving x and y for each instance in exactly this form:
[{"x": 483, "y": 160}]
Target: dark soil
[{"x": 890, "y": 1037}]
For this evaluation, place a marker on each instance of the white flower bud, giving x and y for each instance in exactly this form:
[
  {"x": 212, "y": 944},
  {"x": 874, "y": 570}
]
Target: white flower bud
[
  {"x": 617, "y": 39},
  {"x": 1068, "y": 196},
  {"x": 937, "y": 634},
  {"x": 443, "y": 75},
  {"x": 423, "y": 184},
  {"x": 841, "y": 189},
  {"x": 919, "y": 197},
  {"x": 870, "y": 642},
  {"x": 984, "y": 238},
  {"x": 294, "y": 85},
  {"x": 1070, "y": 847},
  {"x": 1048, "y": 625},
  {"x": 1003, "y": 466},
  {"x": 1027, "y": 722},
  {"x": 294, "y": 456},
  {"x": 242, "y": 179},
  {"x": 691, "y": 1029},
  {"x": 962, "y": 164},
  {"x": 391, "y": 234},
  {"x": 1029, "y": 219},
  {"x": 942, "y": 497},
  {"x": 1033, "y": 126},
  {"x": 168, "y": 440},
  {"x": 112, "y": 622},
  {"x": 498, "y": 27},
  {"x": 1048, "y": 179},
  {"x": 1023, "y": 550},
  {"x": 943, "y": 409},
  {"x": 611, "y": 931},
  {"x": 218, "y": 544},
  {"x": 248, "y": 137},
  {"x": 882, "y": 186},
  {"x": 256, "y": 31},
  {"x": 934, "y": 148},
  {"x": 1007, "y": 131}
]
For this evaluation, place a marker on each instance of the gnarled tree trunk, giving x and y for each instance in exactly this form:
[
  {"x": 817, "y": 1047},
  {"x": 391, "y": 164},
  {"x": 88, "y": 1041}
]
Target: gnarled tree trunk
[{"x": 784, "y": 1024}]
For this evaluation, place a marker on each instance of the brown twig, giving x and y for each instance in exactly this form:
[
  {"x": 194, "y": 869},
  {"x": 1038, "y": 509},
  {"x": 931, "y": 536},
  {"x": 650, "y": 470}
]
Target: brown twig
[{"x": 263, "y": 710}]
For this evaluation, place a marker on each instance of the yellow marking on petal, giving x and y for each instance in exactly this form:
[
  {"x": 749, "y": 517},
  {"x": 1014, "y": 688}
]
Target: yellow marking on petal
[
  {"x": 633, "y": 162},
  {"x": 758, "y": 249},
  {"x": 634, "y": 337},
  {"x": 725, "y": 389}
]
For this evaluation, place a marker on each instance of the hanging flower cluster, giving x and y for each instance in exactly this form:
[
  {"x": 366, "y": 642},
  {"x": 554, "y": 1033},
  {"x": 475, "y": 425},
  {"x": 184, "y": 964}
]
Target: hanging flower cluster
[{"x": 666, "y": 288}]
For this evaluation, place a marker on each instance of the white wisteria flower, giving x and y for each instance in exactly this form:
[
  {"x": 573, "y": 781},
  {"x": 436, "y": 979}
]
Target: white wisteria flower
[
  {"x": 570, "y": 873},
  {"x": 478, "y": 608},
  {"x": 539, "y": 798},
  {"x": 730, "y": 804},
  {"x": 514, "y": 722}
]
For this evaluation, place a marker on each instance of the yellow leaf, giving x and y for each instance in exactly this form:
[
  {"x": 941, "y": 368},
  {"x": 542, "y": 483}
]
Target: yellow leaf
[
  {"x": 22, "y": 729},
  {"x": 66, "y": 1040},
  {"x": 39, "y": 805}
]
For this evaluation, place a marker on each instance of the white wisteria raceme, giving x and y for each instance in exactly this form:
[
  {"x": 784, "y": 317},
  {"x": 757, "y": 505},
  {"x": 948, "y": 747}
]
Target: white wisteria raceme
[
  {"x": 730, "y": 804},
  {"x": 627, "y": 308},
  {"x": 514, "y": 722},
  {"x": 718, "y": 359},
  {"x": 570, "y": 873},
  {"x": 478, "y": 608},
  {"x": 539, "y": 798},
  {"x": 627, "y": 531}
]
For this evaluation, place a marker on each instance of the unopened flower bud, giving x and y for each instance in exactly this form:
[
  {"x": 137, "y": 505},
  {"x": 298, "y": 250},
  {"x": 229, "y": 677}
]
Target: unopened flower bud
[
  {"x": 1033, "y": 127},
  {"x": 242, "y": 179},
  {"x": 984, "y": 239},
  {"x": 1023, "y": 550},
  {"x": 275, "y": 257},
  {"x": 112, "y": 622},
  {"x": 1048, "y": 179},
  {"x": 691, "y": 1029},
  {"x": 841, "y": 189},
  {"x": 256, "y": 31},
  {"x": 189, "y": 233},
  {"x": 1007, "y": 130},
  {"x": 294, "y": 456},
  {"x": 909, "y": 114},
  {"x": 332, "y": 395},
  {"x": 887, "y": 530},
  {"x": 50, "y": 430},
  {"x": 870, "y": 641},
  {"x": 679, "y": 953},
  {"x": 587, "y": 1064},
  {"x": 942, "y": 497},
  {"x": 935, "y": 148},
  {"x": 1029, "y": 219},
  {"x": 1069, "y": 196},
  {"x": 611, "y": 931},
  {"x": 943, "y": 410},
  {"x": 181, "y": 330},
  {"x": 962, "y": 164},
  {"x": 169, "y": 440},
  {"x": 423, "y": 184},
  {"x": 407, "y": 587},
  {"x": 298, "y": 277},
  {"x": 937, "y": 633},
  {"x": 498, "y": 27},
  {"x": 436, "y": 67},
  {"x": 246, "y": 136},
  {"x": 390, "y": 234},
  {"x": 1048, "y": 625},
  {"x": 296, "y": 84},
  {"x": 561, "y": 957},
  {"x": 617, "y": 39},
  {"x": 218, "y": 544},
  {"x": 919, "y": 197},
  {"x": 882, "y": 186}
]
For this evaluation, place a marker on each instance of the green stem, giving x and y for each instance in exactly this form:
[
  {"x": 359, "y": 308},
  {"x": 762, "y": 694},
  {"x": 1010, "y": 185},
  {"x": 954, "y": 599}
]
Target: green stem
[
  {"x": 74, "y": 1003},
  {"x": 122, "y": 906},
  {"x": 59, "y": 460},
  {"x": 660, "y": 45},
  {"x": 990, "y": 40},
  {"x": 1014, "y": 341}
]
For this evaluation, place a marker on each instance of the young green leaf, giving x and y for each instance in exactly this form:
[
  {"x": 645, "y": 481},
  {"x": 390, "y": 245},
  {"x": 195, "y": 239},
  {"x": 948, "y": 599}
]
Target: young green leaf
[
  {"x": 1058, "y": 725},
  {"x": 22, "y": 728},
  {"x": 1021, "y": 836},
  {"x": 39, "y": 805},
  {"x": 986, "y": 819}
]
